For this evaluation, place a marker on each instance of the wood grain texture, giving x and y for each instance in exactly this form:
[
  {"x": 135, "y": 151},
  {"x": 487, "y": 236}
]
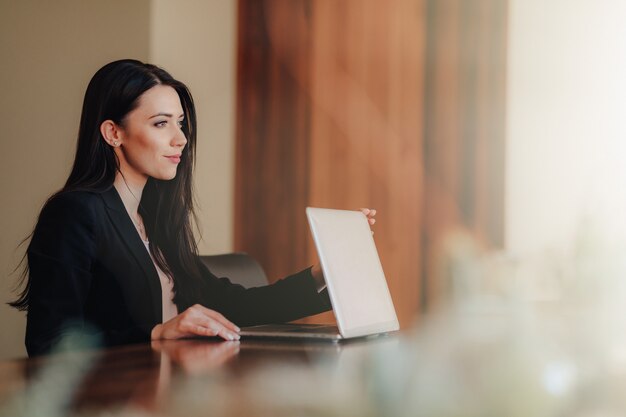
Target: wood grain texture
[
  {"x": 272, "y": 136},
  {"x": 395, "y": 105},
  {"x": 189, "y": 377},
  {"x": 366, "y": 127}
]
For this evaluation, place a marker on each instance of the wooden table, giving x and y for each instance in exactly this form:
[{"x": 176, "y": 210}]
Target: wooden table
[{"x": 194, "y": 377}]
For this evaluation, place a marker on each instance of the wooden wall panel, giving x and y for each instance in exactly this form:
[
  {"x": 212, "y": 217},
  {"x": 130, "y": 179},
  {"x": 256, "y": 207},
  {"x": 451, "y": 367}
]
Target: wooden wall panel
[
  {"x": 273, "y": 116},
  {"x": 366, "y": 127},
  {"x": 396, "y": 105}
]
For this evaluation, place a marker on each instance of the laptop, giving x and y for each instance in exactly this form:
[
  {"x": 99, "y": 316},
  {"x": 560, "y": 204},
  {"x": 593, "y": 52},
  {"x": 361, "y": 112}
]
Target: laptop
[{"x": 354, "y": 277}]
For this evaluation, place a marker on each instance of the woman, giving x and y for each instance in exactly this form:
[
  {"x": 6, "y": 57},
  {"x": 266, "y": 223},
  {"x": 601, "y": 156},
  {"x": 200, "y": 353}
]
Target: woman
[{"x": 114, "y": 248}]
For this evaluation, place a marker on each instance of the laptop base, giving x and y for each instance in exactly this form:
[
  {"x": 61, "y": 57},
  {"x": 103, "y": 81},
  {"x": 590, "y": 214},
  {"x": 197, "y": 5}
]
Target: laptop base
[{"x": 327, "y": 332}]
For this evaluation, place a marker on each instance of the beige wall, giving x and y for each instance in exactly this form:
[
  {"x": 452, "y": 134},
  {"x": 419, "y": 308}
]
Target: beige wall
[
  {"x": 49, "y": 52},
  {"x": 195, "y": 41}
]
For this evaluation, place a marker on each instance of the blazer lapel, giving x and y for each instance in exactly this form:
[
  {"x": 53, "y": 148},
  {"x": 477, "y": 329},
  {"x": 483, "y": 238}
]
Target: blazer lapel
[{"x": 125, "y": 227}]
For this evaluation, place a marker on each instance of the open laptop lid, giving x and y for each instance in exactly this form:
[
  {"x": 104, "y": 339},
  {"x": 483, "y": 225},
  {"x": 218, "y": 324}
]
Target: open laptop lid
[{"x": 354, "y": 276}]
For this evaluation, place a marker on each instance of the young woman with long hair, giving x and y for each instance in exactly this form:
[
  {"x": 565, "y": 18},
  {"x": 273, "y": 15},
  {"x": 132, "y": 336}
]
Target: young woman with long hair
[{"x": 114, "y": 251}]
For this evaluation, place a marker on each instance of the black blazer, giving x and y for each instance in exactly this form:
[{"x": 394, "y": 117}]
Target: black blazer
[{"x": 89, "y": 267}]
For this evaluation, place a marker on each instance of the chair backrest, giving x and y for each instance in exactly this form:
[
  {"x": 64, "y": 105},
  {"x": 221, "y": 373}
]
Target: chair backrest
[{"x": 239, "y": 267}]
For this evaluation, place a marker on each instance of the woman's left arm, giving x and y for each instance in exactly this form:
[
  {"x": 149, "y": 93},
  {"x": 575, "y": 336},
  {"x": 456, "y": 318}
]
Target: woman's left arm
[
  {"x": 299, "y": 295},
  {"x": 288, "y": 299}
]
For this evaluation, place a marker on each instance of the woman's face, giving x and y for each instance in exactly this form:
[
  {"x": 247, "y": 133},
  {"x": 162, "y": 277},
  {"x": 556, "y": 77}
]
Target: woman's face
[{"x": 153, "y": 140}]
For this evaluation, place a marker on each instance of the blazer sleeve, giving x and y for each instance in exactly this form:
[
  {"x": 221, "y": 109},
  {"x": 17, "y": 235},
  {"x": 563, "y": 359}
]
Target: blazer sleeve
[
  {"x": 60, "y": 257},
  {"x": 285, "y": 300}
]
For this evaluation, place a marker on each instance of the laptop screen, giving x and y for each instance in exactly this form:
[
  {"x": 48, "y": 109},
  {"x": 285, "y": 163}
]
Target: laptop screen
[{"x": 353, "y": 272}]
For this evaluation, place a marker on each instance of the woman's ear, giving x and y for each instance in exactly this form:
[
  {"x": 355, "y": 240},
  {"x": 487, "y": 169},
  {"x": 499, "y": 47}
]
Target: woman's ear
[{"x": 111, "y": 133}]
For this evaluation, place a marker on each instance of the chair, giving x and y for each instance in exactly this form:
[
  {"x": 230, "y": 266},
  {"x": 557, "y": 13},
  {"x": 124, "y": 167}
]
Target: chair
[{"x": 239, "y": 267}]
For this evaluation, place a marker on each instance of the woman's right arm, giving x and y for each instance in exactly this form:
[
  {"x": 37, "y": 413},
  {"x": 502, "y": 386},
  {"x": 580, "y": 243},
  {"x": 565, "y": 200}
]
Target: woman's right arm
[{"x": 60, "y": 257}]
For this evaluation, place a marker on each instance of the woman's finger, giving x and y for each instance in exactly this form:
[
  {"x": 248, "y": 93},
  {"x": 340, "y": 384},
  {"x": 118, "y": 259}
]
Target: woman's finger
[
  {"x": 223, "y": 320},
  {"x": 218, "y": 317},
  {"x": 219, "y": 329},
  {"x": 203, "y": 330},
  {"x": 209, "y": 328},
  {"x": 368, "y": 212},
  {"x": 226, "y": 334}
]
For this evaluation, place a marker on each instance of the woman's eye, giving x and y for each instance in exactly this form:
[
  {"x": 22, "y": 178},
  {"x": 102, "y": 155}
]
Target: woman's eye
[{"x": 163, "y": 123}]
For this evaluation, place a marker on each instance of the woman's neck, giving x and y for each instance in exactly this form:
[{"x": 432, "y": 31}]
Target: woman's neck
[{"x": 130, "y": 189}]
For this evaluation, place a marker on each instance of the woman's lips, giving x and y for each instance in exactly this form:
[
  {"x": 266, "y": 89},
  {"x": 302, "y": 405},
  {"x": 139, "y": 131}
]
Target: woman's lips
[{"x": 174, "y": 158}]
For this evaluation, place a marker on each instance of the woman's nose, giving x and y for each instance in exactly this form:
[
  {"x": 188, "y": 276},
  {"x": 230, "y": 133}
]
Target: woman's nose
[{"x": 179, "y": 138}]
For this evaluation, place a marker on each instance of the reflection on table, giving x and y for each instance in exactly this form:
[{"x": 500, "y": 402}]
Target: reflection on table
[{"x": 190, "y": 377}]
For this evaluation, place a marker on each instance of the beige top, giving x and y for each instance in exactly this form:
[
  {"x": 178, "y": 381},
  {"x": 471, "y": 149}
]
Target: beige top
[{"x": 167, "y": 290}]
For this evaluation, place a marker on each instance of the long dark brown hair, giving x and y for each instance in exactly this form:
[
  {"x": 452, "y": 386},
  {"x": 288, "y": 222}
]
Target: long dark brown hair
[{"x": 166, "y": 206}]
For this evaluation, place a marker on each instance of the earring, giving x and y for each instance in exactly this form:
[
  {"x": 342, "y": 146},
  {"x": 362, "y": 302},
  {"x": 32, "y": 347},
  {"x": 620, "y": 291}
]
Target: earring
[{"x": 116, "y": 144}]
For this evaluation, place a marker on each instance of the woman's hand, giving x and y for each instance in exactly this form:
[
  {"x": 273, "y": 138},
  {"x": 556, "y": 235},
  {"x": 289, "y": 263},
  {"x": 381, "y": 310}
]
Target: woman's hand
[
  {"x": 370, "y": 213},
  {"x": 317, "y": 272},
  {"x": 196, "y": 321}
]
